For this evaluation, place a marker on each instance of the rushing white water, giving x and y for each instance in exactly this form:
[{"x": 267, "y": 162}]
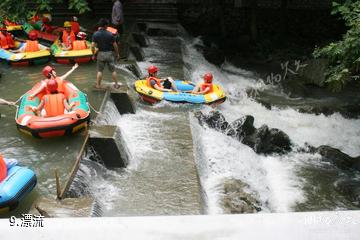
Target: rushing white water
[{"x": 274, "y": 179}]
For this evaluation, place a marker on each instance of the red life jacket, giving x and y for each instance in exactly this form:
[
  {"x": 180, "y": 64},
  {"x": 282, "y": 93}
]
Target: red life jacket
[
  {"x": 6, "y": 41},
  {"x": 157, "y": 80},
  {"x": 65, "y": 38},
  {"x": 54, "y": 104},
  {"x": 32, "y": 46},
  {"x": 3, "y": 168},
  {"x": 3, "y": 42},
  {"x": 75, "y": 27},
  {"x": 207, "y": 85}
]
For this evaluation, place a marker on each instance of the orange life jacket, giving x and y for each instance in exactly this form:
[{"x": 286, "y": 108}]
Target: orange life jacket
[
  {"x": 112, "y": 30},
  {"x": 65, "y": 37},
  {"x": 32, "y": 46},
  {"x": 54, "y": 104},
  {"x": 157, "y": 80},
  {"x": 207, "y": 85},
  {"x": 79, "y": 45},
  {"x": 6, "y": 41},
  {"x": 75, "y": 27},
  {"x": 3, "y": 168}
]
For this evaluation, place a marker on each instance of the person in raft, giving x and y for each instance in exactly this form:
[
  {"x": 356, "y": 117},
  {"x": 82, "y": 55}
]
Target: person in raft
[
  {"x": 164, "y": 85},
  {"x": 52, "y": 104},
  {"x": 67, "y": 37},
  {"x": 49, "y": 73},
  {"x": 205, "y": 87},
  {"x": 5, "y": 102},
  {"x": 31, "y": 45}
]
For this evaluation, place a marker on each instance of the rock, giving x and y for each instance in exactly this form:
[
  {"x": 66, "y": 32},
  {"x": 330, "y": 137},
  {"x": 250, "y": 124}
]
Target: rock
[
  {"x": 314, "y": 71},
  {"x": 268, "y": 141},
  {"x": 213, "y": 120},
  {"x": 262, "y": 140},
  {"x": 236, "y": 200},
  {"x": 338, "y": 158},
  {"x": 241, "y": 127},
  {"x": 351, "y": 189}
]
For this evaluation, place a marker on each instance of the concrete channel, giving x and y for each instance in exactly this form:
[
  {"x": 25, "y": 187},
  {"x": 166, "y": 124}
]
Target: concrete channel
[{"x": 104, "y": 139}]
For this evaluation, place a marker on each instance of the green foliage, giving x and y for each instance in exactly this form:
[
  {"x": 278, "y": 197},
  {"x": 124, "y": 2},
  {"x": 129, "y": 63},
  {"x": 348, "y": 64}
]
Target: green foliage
[
  {"x": 344, "y": 55},
  {"x": 18, "y": 9}
]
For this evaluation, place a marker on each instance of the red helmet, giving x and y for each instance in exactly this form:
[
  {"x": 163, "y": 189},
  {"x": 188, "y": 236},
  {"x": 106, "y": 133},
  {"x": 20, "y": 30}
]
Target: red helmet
[
  {"x": 208, "y": 77},
  {"x": 33, "y": 35},
  {"x": 52, "y": 85},
  {"x": 152, "y": 69},
  {"x": 47, "y": 70}
]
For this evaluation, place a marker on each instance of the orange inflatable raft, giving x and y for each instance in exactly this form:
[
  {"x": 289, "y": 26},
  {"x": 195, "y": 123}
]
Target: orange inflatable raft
[{"x": 63, "y": 124}]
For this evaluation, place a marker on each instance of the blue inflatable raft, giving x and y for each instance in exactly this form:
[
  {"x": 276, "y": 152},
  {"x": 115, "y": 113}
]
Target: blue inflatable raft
[
  {"x": 17, "y": 184},
  {"x": 152, "y": 95}
]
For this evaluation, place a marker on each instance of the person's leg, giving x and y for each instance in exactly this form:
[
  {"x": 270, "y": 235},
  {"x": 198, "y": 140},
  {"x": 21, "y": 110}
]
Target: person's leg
[
  {"x": 100, "y": 65},
  {"x": 111, "y": 66},
  {"x": 98, "y": 79}
]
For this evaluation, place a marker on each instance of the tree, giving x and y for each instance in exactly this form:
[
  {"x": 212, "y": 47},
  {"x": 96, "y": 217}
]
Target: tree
[
  {"x": 19, "y": 9},
  {"x": 344, "y": 55}
]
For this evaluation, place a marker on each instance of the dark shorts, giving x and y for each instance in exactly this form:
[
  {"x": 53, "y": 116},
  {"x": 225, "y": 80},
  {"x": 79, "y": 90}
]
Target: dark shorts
[
  {"x": 167, "y": 84},
  {"x": 105, "y": 58}
]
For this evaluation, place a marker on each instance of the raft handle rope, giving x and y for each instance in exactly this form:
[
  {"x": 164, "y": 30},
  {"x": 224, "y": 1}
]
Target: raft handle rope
[{"x": 97, "y": 112}]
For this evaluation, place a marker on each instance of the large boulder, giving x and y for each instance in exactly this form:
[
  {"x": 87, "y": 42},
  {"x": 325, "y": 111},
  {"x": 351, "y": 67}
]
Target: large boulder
[
  {"x": 241, "y": 127},
  {"x": 338, "y": 158},
  {"x": 269, "y": 141},
  {"x": 213, "y": 120},
  {"x": 235, "y": 199},
  {"x": 262, "y": 140}
]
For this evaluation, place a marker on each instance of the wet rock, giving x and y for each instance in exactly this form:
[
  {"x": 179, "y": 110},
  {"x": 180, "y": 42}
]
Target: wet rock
[
  {"x": 236, "y": 200},
  {"x": 262, "y": 140},
  {"x": 338, "y": 158},
  {"x": 313, "y": 71},
  {"x": 213, "y": 120},
  {"x": 351, "y": 190},
  {"x": 241, "y": 127},
  {"x": 269, "y": 141}
]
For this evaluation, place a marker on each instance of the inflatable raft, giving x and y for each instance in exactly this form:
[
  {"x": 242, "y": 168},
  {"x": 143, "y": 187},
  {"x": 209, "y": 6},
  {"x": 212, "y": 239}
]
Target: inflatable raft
[
  {"x": 18, "y": 182},
  {"x": 65, "y": 124},
  {"x": 81, "y": 53},
  {"x": 25, "y": 58},
  {"x": 152, "y": 95}
]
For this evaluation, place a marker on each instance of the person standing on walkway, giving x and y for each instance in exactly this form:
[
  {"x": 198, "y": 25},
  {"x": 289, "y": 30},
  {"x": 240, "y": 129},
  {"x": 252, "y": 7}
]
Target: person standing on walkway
[
  {"x": 117, "y": 16},
  {"x": 104, "y": 46}
]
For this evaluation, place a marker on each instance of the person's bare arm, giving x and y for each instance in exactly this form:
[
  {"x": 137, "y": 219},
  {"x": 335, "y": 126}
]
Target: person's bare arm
[
  {"x": 68, "y": 106},
  {"x": 38, "y": 109},
  {"x": 63, "y": 77},
  {"x": 37, "y": 91}
]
